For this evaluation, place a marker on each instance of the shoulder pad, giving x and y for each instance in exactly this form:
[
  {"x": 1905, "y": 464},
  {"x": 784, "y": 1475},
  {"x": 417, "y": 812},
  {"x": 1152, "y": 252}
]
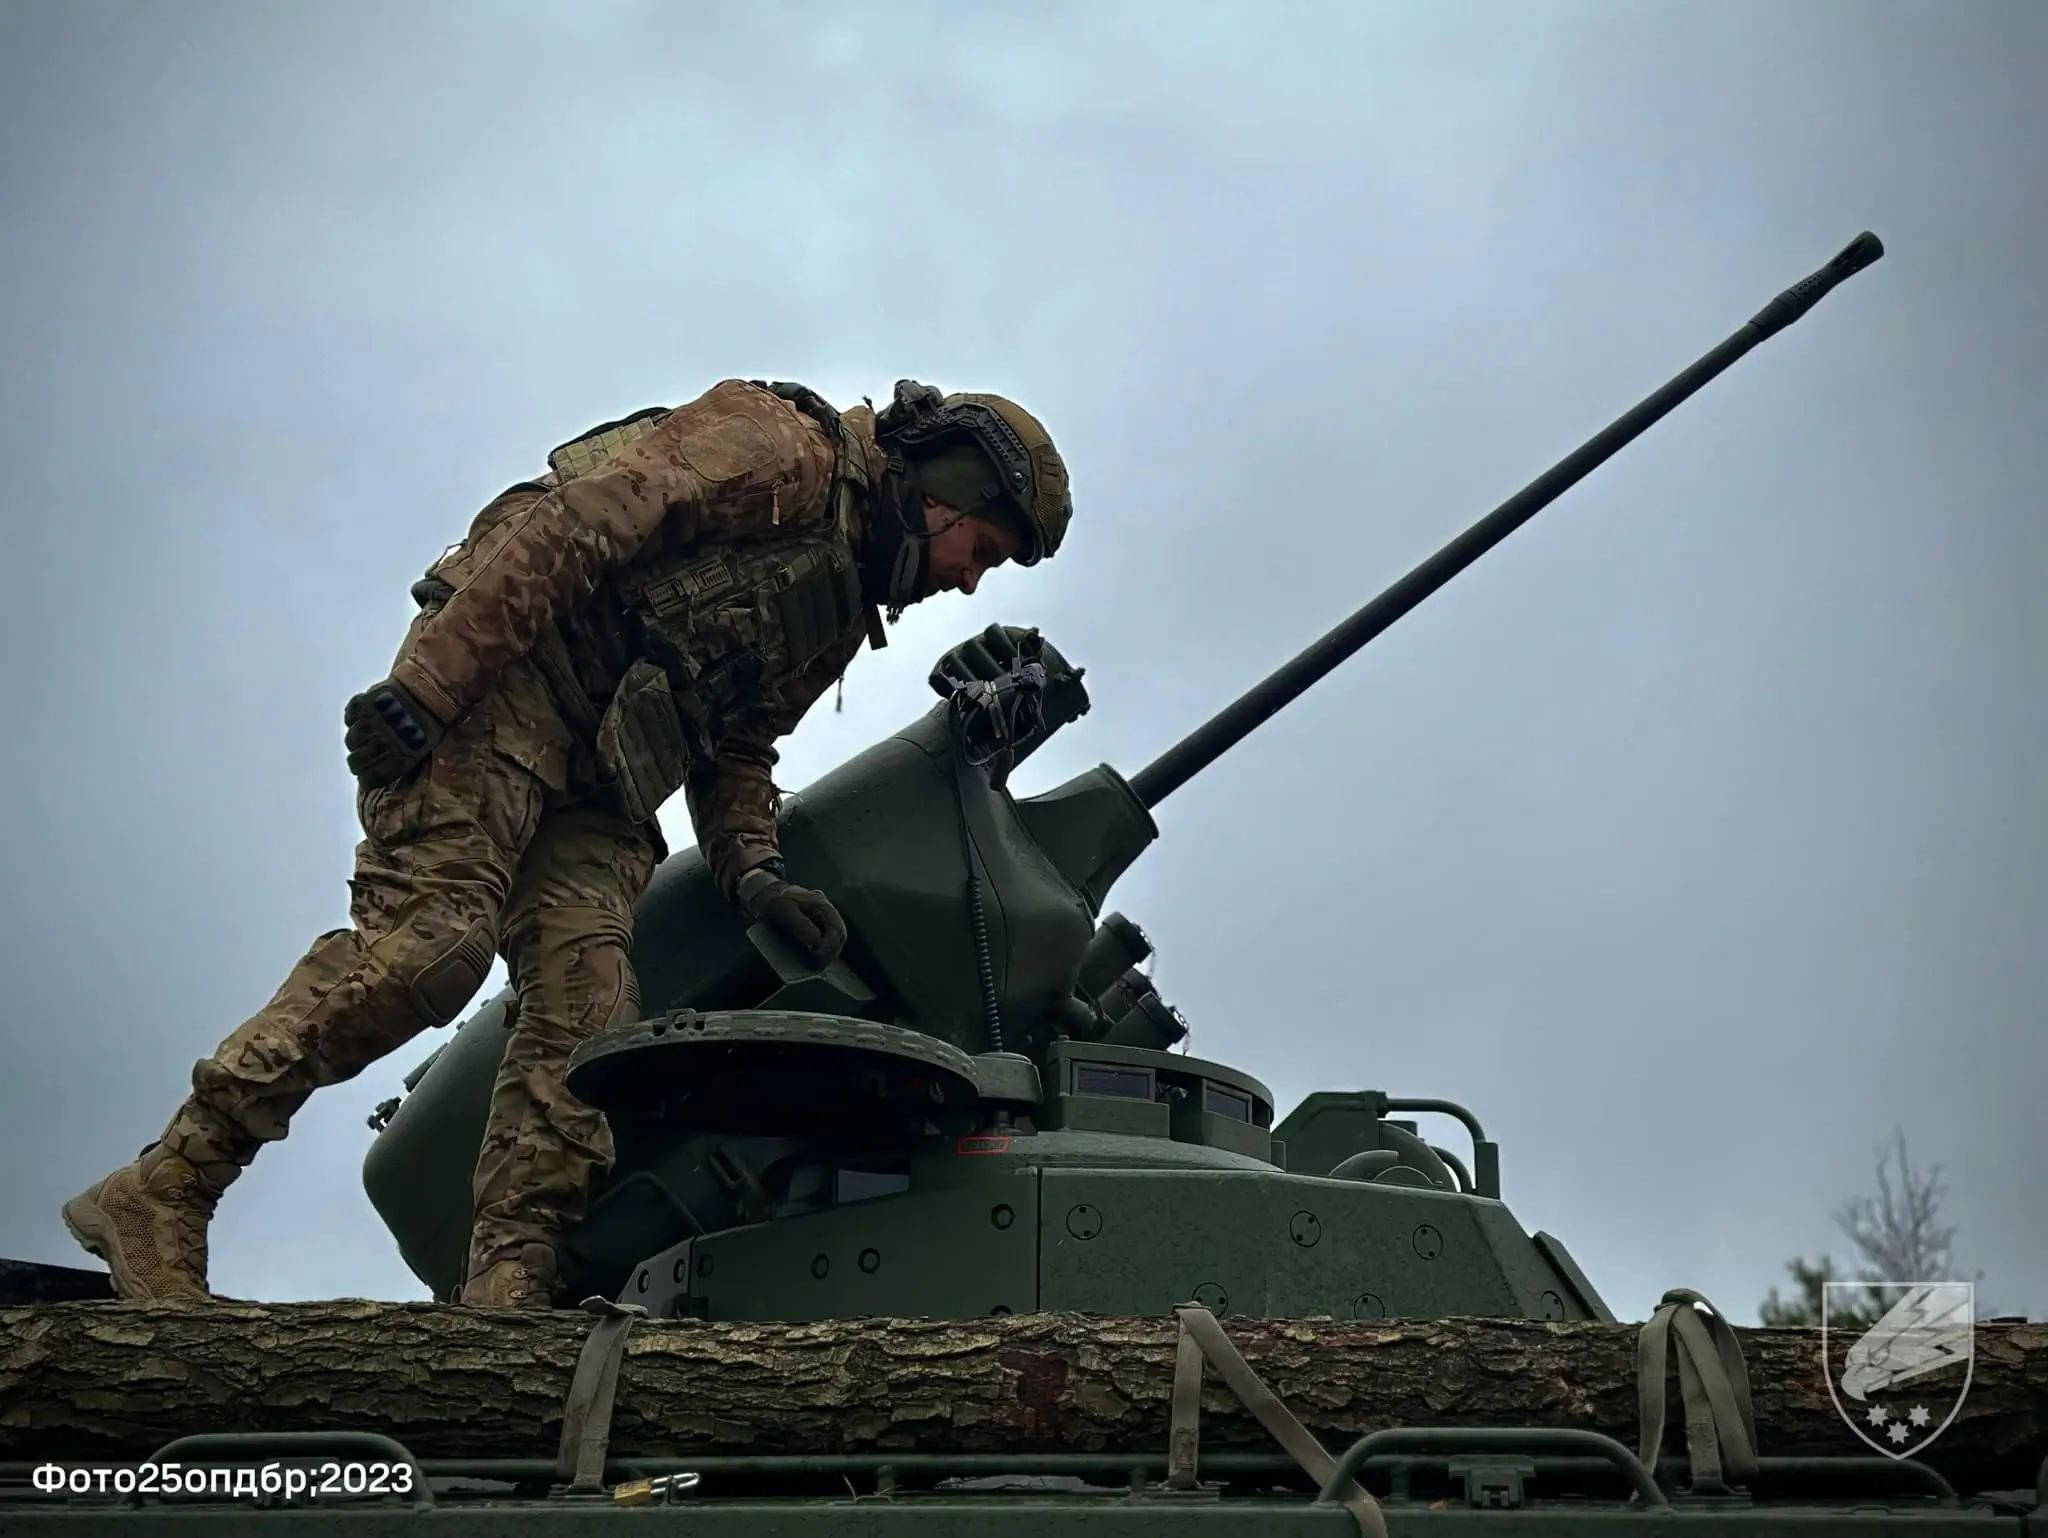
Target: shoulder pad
[
  {"x": 853, "y": 454},
  {"x": 579, "y": 456},
  {"x": 806, "y": 400}
]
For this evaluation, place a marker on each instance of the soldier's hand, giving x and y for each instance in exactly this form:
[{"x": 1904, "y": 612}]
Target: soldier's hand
[
  {"x": 388, "y": 733},
  {"x": 998, "y": 652},
  {"x": 805, "y": 916}
]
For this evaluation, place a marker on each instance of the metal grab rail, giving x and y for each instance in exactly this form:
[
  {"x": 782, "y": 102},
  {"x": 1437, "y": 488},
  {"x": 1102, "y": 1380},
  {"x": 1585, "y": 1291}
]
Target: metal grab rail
[{"x": 1495, "y": 1439}]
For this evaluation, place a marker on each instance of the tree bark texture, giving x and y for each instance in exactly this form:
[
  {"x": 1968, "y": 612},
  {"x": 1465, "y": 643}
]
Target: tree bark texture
[{"x": 117, "y": 1380}]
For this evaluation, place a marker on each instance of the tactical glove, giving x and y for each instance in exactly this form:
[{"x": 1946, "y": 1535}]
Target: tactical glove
[
  {"x": 389, "y": 733},
  {"x": 1008, "y": 691},
  {"x": 1003, "y": 651},
  {"x": 807, "y": 917}
]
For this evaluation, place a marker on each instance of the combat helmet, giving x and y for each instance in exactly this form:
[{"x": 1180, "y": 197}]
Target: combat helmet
[{"x": 983, "y": 453}]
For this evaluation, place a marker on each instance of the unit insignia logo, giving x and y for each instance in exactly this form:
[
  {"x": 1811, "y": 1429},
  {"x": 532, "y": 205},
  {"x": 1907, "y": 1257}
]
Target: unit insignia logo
[{"x": 1900, "y": 1381}]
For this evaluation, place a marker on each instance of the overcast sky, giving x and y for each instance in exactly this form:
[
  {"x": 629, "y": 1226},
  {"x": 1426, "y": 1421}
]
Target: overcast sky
[{"x": 1694, "y": 839}]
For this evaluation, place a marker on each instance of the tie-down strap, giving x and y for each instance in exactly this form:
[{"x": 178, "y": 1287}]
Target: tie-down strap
[
  {"x": 1202, "y": 1338},
  {"x": 1713, "y": 1386},
  {"x": 587, "y": 1413}
]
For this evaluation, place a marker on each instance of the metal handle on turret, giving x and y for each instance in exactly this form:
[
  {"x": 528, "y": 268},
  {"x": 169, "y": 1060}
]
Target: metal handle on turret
[{"x": 1237, "y": 720}]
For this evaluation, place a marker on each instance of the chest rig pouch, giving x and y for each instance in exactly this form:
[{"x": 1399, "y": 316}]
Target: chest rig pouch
[{"x": 721, "y": 628}]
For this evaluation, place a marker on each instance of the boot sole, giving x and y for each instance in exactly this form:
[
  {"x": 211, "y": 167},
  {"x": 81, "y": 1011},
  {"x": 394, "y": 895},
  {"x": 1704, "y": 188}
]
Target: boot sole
[{"x": 94, "y": 1231}]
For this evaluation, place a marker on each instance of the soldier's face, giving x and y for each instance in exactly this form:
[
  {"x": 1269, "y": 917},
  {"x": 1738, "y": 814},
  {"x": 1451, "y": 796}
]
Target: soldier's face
[{"x": 965, "y": 549}]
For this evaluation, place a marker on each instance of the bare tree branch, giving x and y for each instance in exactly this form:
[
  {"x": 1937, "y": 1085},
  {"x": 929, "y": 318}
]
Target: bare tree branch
[
  {"x": 1898, "y": 1238},
  {"x": 1896, "y": 1231}
]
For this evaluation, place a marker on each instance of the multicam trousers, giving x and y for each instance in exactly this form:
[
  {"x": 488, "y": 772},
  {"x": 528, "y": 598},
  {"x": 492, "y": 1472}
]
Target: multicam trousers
[{"x": 481, "y": 850}]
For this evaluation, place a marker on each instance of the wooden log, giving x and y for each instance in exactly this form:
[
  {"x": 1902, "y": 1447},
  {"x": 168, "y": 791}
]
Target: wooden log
[{"x": 97, "y": 1381}]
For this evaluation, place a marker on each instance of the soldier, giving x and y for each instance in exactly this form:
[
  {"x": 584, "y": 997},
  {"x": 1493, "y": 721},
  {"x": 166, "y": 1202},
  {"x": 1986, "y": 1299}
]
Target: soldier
[{"x": 650, "y": 615}]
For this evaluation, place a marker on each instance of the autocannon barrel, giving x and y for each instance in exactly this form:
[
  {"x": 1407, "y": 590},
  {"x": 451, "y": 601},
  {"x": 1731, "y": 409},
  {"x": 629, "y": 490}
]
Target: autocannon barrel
[{"x": 1237, "y": 720}]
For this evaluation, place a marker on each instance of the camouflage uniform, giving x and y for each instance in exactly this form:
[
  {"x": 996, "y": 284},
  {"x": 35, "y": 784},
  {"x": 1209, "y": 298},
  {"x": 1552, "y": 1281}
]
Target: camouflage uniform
[{"x": 503, "y": 840}]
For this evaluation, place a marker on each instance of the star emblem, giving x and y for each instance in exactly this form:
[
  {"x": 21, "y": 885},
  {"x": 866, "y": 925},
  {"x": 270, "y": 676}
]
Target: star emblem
[
  {"x": 1898, "y": 1431},
  {"x": 1918, "y": 1415},
  {"x": 1878, "y": 1415}
]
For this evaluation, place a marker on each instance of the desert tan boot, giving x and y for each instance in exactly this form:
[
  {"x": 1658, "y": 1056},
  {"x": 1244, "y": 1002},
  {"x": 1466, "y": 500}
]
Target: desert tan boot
[
  {"x": 147, "y": 1221},
  {"x": 522, "y": 1281}
]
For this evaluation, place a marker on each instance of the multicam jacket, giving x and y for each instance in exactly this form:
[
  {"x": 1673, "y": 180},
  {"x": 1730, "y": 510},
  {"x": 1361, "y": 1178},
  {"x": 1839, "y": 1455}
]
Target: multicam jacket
[{"x": 717, "y": 539}]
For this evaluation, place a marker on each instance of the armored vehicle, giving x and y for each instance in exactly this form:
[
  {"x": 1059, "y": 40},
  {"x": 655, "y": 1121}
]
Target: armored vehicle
[{"x": 983, "y": 1108}]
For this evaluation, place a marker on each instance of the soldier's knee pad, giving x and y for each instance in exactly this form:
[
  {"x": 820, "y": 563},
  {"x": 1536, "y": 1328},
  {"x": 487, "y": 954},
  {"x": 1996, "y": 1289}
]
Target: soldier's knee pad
[
  {"x": 627, "y": 1009},
  {"x": 443, "y": 987},
  {"x": 573, "y": 966}
]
